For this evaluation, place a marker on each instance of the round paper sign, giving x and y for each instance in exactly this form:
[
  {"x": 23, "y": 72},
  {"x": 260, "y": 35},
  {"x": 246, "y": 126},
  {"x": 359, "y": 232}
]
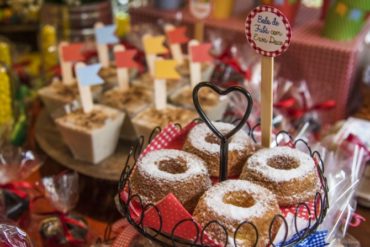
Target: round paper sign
[
  {"x": 268, "y": 31},
  {"x": 200, "y": 9}
]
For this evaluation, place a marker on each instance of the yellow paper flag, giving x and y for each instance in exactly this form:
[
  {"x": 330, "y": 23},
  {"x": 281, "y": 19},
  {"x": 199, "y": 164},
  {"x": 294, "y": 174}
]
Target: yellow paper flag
[
  {"x": 166, "y": 69},
  {"x": 154, "y": 44}
]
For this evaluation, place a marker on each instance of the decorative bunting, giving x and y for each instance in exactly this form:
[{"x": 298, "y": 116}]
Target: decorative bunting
[
  {"x": 106, "y": 35},
  {"x": 155, "y": 45},
  {"x": 88, "y": 75},
  {"x": 166, "y": 69},
  {"x": 200, "y": 53},
  {"x": 177, "y": 36},
  {"x": 72, "y": 52},
  {"x": 125, "y": 59}
]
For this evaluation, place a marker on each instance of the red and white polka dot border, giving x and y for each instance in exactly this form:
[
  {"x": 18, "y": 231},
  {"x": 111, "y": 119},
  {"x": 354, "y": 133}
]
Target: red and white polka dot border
[{"x": 248, "y": 31}]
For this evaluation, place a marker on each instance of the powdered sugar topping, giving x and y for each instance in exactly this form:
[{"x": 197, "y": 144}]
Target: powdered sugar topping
[
  {"x": 263, "y": 199},
  {"x": 259, "y": 163},
  {"x": 149, "y": 165},
  {"x": 199, "y": 133}
]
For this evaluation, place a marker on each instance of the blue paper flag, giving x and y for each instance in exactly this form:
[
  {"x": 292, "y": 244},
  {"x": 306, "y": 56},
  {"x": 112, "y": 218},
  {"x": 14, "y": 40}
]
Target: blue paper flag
[
  {"x": 355, "y": 14},
  {"x": 279, "y": 2},
  {"x": 106, "y": 35},
  {"x": 88, "y": 75}
]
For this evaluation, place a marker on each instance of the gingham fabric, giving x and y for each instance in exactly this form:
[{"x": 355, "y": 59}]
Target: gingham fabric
[
  {"x": 162, "y": 139},
  {"x": 315, "y": 240},
  {"x": 328, "y": 66},
  {"x": 126, "y": 233},
  {"x": 302, "y": 211}
]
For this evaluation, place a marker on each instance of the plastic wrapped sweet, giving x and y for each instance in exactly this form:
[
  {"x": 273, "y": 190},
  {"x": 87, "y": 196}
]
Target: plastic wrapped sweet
[
  {"x": 15, "y": 165},
  {"x": 345, "y": 160},
  {"x": 13, "y": 236},
  {"x": 60, "y": 227}
]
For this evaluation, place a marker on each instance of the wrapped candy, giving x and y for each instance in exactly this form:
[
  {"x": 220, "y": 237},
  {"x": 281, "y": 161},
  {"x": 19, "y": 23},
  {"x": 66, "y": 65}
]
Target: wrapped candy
[
  {"x": 13, "y": 236},
  {"x": 15, "y": 165},
  {"x": 60, "y": 227}
]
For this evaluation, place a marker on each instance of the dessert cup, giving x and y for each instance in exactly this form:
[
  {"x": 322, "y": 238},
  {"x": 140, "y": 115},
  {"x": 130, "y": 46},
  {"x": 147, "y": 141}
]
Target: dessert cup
[
  {"x": 57, "y": 95},
  {"x": 213, "y": 104},
  {"x": 93, "y": 136},
  {"x": 147, "y": 120},
  {"x": 131, "y": 101}
]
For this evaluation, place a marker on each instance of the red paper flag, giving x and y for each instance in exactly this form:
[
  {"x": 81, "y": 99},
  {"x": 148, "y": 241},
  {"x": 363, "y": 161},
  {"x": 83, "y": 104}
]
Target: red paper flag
[
  {"x": 177, "y": 36},
  {"x": 72, "y": 52},
  {"x": 125, "y": 59},
  {"x": 200, "y": 53}
]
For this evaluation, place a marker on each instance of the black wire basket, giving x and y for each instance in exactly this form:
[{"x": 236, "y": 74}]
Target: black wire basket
[{"x": 157, "y": 235}]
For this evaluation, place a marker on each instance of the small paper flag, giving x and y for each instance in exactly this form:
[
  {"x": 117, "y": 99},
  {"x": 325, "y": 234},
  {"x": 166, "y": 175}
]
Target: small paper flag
[
  {"x": 341, "y": 9},
  {"x": 166, "y": 69},
  {"x": 279, "y": 2},
  {"x": 355, "y": 14},
  {"x": 200, "y": 53},
  {"x": 72, "y": 52},
  {"x": 155, "y": 45},
  {"x": 88, "y": 75},
  {"x": 177, "y": 36},
  {"x": 106, "y": 35},
  {"x": 125, "y": 59}
]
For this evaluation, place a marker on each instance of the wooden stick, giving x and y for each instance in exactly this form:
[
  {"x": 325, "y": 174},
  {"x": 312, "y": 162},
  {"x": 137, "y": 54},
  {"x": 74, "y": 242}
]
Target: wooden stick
[
  {"x": 199, "y": 31},
  {"x": 66, "y": 67},
  {"x": 160, "y": 98},
  {"x": 85, "y": 94},
  {"x": 267, "y": 73},
  {"x": 195, "y": 67},
  {"x": 122, "y": 73},
  {"x": 102, "y": 49},
  {"x": 175, "y": 48}
]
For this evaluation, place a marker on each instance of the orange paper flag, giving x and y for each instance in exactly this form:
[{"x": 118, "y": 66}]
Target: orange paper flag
[
  {"x": 72, "y": 52},
  {"x": 154, "y": 45},
  {"x": 200, "y": 53},
  {"x": 166, "y": 69},
  {"x": 177, "y": 36},
  {"x": 125, "y": 59}
]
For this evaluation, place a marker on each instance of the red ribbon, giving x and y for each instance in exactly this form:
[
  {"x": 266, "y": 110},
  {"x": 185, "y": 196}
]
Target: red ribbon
[
  {"x": 356, "y": 220},
  {"x": 351, "y": 138},
  {"x": 297, "y": 113},
  {"x": 18, "y": 188},
  {"x": 67, "y": 220}
]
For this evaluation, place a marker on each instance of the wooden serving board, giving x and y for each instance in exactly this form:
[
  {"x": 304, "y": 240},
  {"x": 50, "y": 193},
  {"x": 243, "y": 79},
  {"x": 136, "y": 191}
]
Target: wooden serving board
[{"x": 51, "y": 142}]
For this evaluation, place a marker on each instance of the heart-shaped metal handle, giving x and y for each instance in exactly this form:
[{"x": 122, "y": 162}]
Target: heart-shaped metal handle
[{"x": 224, "y": 138}]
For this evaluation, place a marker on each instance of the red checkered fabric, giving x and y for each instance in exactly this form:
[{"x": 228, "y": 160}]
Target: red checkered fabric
[
  {"x": 302, "y": 211},
  {"x": 248, "y": 31},
  {"x": 126, "y": 233},
  {"x": 162, "y": 139}
]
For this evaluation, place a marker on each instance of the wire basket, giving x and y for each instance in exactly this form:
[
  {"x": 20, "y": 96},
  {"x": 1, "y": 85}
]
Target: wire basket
[{"x": 317, "y": 215}]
